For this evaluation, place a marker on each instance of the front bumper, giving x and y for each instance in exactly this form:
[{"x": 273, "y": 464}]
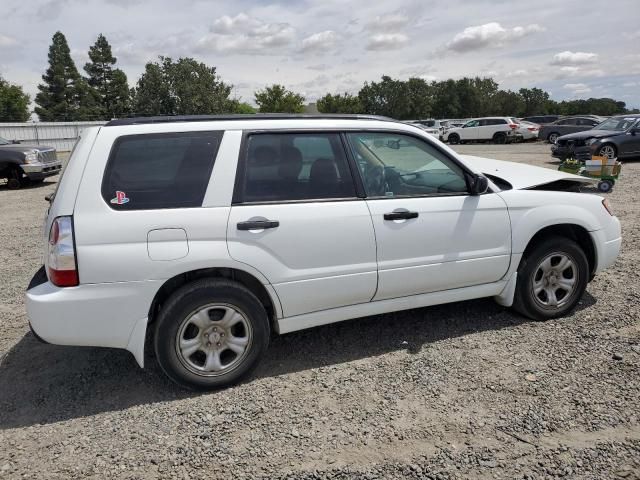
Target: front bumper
[{"x": 38, "y": 171}]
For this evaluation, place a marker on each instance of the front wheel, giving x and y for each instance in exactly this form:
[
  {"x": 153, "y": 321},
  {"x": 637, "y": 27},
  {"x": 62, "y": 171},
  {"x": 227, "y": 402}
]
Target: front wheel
[
  {"x": 608, "y": 151},
  {"x": 551, "y": 279},
  {"x": 211, "y": 333},
  {"x": 553, "y": 137}
]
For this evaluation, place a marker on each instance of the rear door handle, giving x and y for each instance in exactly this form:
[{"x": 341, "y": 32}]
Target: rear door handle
[
  {"x": 258, "y": 224},
  {"x": 400, "y": 215}
]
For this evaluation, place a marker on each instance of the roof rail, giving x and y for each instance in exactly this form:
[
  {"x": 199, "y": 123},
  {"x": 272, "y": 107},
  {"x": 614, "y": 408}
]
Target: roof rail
[{"x": 253, "y": 116}]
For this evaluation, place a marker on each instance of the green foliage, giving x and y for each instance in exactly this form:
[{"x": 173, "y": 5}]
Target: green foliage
[
  {"x": 183, "y": 87},
  {"x": 242, "y": 107},
  {"x": 64, "y": 95},
  {"x": 109, "y": 84},
  {"x": 340, "y": 103},
  {"x": 536, "y": 101},
  {"x": 277, "y": 99},
  {"x": 388, "y": 97},
  {"x": 14, "y": 103}
]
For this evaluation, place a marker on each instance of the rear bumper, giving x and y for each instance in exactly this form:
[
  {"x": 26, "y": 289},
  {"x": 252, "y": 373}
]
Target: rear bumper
[
  {"x": 99, "y": 315},
  {"x": 38, "y": 171}
]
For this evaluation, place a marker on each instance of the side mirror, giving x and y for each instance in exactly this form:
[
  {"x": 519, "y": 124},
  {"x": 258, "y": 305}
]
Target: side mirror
[
  {"x": 393, "y": 144},
  {"x": 635, "y": 131},
  {"x": 479, "y": 184}
]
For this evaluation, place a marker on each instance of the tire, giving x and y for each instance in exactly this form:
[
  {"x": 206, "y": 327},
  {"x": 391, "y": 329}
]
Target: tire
[
  {"x": 500, "y": 138},
  {"x": 605, "y": 186},
  {"x": 607, "y": 150},
  {"x": 454, "y": 139},
  {"x": 533, "y": 274},
  {"x": 552, "y": 137},
  {"x": 194, "y": 330},
  {"x": 14, "y": 182}
]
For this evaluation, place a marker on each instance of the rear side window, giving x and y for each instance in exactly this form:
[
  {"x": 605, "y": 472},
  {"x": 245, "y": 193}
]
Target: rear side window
[
  {"x": 168, "y": 170},
  {"x": 293, "y": 166}
]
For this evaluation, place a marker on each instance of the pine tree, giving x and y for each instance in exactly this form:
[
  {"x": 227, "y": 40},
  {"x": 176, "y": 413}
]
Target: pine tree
[
  {"x": 109, "y": 84},
  {"x": 64, "y": 95}
]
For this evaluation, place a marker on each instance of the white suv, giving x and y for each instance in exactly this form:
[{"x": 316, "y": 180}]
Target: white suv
[
  {"x": 212, "y": 233},
  {"x": 496, "y": 129}
]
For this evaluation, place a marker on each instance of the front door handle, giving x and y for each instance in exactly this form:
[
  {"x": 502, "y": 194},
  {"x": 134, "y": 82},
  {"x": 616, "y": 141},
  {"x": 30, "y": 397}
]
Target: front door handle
[
  {"x": 258, "y": 224},
  {"x": 400, "y": 215}
]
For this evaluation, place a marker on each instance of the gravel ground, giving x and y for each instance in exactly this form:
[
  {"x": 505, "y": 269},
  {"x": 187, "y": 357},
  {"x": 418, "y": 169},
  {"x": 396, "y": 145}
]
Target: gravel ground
[{"x": 468, "y": 390}]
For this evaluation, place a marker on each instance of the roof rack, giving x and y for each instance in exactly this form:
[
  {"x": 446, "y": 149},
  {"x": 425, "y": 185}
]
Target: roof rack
[{"x": 253, "y": 116}]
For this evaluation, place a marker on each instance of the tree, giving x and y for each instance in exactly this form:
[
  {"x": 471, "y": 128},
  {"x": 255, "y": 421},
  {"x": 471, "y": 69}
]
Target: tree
[
  {"x": 420, "y": 98},
  {"x": 64, "y": 95},
  {"x": 14, "y": 103},
  {"x": 183, "y": 87},
  {"x": 242, "y": 107},
  {"x": 506, "y": 102},
  {"x": 389, "y": 98},
  {"x": 339, "y": 103},
  {"x": 446, "y": 103},
  {"x": 535, "y": 101},
  {"x": 109, "y": 84},
  {"x": 277, "y": 99}
]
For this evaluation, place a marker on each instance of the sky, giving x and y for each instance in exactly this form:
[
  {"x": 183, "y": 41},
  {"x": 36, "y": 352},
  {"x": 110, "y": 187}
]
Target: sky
[{"x": 570, "y": 48}]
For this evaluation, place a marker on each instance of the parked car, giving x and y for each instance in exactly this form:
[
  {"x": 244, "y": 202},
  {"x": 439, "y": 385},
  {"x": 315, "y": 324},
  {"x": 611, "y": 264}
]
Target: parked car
[
  {"x": 567, "y": 125},
  {"x": 616, "y": 137},
  {"x": 212, "y": 232},
  {"x": 435, "y": 128},
  {"x": 528, "y": 130},
  {"x": 541, "y": 119},
  {"x": 496, "y": 129},
  {"x": 19, "y": 163}
]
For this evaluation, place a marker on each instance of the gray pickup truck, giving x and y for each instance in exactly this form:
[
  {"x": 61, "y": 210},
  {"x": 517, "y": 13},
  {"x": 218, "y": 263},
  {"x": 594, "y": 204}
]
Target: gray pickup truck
[{"x": 20, "y": 164}]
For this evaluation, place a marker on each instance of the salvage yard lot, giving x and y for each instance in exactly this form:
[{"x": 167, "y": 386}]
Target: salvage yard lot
[{"x": 467, "y": 390}]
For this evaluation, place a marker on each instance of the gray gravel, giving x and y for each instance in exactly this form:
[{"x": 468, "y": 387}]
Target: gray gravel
[{"x": 468, "y": 390}]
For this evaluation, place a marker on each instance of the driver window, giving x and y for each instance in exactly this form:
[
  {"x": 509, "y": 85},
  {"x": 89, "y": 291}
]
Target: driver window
[{"x": 396, "y": 165}]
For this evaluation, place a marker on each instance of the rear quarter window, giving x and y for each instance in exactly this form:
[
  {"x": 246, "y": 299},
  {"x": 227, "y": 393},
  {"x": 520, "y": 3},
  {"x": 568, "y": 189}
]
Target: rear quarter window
[{"x": 168, "y": 170}]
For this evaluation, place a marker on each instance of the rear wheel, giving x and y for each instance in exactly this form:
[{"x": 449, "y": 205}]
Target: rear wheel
[
  {"x": 454, "y": 139},
  {"x": 551, "y": 279},
  {"x": 500, "y": 138},
  {"x": 211, "y": 333},
  {"x": 605, "y": 186}
]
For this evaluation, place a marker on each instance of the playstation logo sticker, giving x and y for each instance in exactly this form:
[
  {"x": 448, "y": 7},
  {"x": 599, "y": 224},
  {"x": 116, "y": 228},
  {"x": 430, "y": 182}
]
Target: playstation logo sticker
[{"x": 121, "y": 198}]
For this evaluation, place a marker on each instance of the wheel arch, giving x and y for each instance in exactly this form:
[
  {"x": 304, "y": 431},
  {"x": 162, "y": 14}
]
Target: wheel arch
[
  {"x": 572, "y": 231},
  {"x": 268, "y": 299}
]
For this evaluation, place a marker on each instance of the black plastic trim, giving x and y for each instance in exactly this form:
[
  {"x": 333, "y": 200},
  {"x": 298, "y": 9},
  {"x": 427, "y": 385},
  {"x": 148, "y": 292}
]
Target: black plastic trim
[{"x": 38, "y": 278}]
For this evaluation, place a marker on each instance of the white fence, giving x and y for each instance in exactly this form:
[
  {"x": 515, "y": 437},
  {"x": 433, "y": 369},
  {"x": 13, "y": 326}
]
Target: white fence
[{"x": 60, "y": 135}]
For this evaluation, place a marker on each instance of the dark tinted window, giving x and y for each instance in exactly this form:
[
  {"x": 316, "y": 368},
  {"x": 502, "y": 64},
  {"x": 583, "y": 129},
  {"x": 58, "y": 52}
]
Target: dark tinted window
[
  {"x": 168, "y": 170},
  {"x": 294, "y": 166},
  {"x": 587, "y": 122},
  {"x": 568, "y": 121}
]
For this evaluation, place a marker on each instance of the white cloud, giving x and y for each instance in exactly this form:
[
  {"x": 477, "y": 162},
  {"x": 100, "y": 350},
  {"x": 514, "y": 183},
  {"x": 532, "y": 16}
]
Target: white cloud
[
  {"x": 517, "y": 73},
  {"x": 6, "y": 41},
  {"x": 489, "y": 35},
  {"x": 245, "y": 35},
  {"x": 388, "y": 23},
  {"x": 577, "y": 88},
  {"x": 321, "y": 41},
  {"x": 573, "y": 71},
  {"x": 387, "y": 41},
  {"x": 574, "y": 58},
  {"x": 630, "y": 84}
]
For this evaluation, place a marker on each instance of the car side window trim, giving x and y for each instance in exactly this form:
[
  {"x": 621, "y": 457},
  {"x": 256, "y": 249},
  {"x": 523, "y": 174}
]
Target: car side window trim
[{"x": 238, "y": 197}]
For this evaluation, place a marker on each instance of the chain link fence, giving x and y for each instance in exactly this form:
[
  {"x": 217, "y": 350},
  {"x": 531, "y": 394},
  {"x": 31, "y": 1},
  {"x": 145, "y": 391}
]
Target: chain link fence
[{"x": 60, "y": 135}]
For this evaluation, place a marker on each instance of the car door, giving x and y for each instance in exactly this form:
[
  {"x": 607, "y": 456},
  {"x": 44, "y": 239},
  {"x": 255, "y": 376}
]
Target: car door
[
  {"x": 470, "y": 130},
  {"x": 629, "y": 143},
  {"x": 296, "y": 218},
  {"x": 431, "y": 234}
]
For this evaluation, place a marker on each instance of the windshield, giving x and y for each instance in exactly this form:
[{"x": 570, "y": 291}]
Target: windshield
[
  {"x": 4, "y": 142},
  {"x": 619, "y": 124}
]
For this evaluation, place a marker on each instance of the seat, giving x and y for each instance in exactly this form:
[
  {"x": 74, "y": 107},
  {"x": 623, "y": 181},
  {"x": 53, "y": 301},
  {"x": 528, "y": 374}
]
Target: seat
[
  {"x": 289, "y": 170},
  {"x": 323, "y": 178}
]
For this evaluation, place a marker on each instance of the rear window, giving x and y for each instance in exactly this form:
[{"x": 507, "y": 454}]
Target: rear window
[{"x": 168, "y": 170}]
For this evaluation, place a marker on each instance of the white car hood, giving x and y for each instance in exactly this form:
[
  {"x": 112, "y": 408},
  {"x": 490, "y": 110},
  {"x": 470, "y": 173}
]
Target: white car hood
[{"x": 520, "y": 176}]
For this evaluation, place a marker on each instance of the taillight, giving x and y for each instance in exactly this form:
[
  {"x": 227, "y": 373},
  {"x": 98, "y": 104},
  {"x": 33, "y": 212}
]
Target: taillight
[
  {"x": 513, "y": 126},
  {"x": 62, "y": 268}
]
